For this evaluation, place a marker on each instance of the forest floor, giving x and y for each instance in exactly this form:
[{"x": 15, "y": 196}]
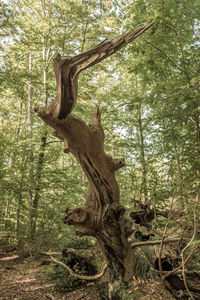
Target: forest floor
[{"x": 26, "y": 279}]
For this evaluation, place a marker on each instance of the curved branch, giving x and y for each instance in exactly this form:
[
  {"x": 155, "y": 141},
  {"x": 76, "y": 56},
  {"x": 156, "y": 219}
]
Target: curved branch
[
  {"x": 82, "y": 277},
  {"x": 179, "y": 267},
  {"x": 67, "y": 69}
]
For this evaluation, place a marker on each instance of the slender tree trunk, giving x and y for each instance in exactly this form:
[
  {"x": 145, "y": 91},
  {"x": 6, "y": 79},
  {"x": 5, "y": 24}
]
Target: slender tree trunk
[
  {"x": 142, "y": 154},
  {"x": 196, "y": 120},
  {"x": 189, "y": 83},
  {"x": 7, "y": 211},
  {"x": 179, "y": 168},
  {"x": 19, "y": 204},
  {"x": 19, "y": 200},
  {"x": 10, "y": 197},
  {"x": 180, "y": 174},
  {"x": 40, "y": 160},
  {"x": 31, "y": 155},
  {"x": 37, "y": 190}
]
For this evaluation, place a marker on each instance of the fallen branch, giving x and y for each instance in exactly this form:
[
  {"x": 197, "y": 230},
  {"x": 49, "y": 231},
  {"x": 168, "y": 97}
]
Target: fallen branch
[
  {"x": 70, "y": 250},
  {"x": 140, "y": 244},
  {"x": 82, "y": 277}
]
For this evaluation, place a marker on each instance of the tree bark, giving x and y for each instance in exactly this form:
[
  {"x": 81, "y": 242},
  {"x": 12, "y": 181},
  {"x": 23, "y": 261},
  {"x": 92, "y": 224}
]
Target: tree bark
[
  {"x": 101, "y": 216},
  {"x": 142, "y": 154}
]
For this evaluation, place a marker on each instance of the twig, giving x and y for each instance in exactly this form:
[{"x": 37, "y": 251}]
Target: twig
[
  {"x": 182, "y": 235},
  {"x": 167, "y": 285},
  {"x": 172, "y": 231},
  {"x": 164, "y": 54},
  {"x": 83, "y": 296},
  {"x": 51, "y": 142},
  {"x": 187, "y": 272},
  {"x": 163, "y": 237},
  {"x": 84, "y": 36},
  {"x": 187, "y": 259},
  {"x": 161, "y": 247},
  {"x": 182, "y": 254},
  {"x": 82, "y": 277},
  {"x": 72, "y": 250}
]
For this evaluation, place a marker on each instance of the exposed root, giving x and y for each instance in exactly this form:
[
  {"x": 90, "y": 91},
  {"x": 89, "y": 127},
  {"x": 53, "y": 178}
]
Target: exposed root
[{"x": 78, "y": 276}]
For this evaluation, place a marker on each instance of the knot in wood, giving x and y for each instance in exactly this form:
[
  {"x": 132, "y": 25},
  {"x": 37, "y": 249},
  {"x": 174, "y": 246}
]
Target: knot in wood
[
  {"x": 115, "y": 163},
  {"x": 57, "y": 58},
  {"x": 76, "y": 216}
]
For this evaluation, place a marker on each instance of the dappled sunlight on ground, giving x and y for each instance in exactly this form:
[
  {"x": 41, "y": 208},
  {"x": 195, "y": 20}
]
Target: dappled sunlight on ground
[
  {"x": 34, "y": 288},
  {"x": 25, "y": 279},
  {"x": 9, "y": 258}
]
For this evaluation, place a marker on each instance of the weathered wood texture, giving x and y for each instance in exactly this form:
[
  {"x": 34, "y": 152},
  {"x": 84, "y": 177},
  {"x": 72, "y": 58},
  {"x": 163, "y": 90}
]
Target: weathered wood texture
[
  {"x": 67, "y": 69},
  {"x": 101, "y": 215}
]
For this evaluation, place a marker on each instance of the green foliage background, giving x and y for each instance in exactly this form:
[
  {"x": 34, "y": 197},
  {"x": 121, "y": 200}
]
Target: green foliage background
[{"x": 148, "y": 94}]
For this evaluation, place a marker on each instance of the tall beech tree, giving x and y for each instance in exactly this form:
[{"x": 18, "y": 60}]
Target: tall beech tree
[{"x": 102, "y": 214}]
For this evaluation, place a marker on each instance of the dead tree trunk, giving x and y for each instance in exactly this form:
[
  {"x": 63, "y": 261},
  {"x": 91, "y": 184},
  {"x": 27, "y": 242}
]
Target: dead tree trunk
[{"x": 102, "y": 214}]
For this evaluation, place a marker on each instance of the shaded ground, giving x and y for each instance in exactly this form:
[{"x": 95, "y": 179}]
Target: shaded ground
[{"x": 26, "y": 280}]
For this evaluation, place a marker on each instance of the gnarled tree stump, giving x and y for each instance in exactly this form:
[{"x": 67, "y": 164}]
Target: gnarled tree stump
[{"x": 102, "y": 213}]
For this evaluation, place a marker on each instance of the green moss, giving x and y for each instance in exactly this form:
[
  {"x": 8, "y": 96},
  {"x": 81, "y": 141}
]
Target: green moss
[{"x": 62, "y": 280}]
